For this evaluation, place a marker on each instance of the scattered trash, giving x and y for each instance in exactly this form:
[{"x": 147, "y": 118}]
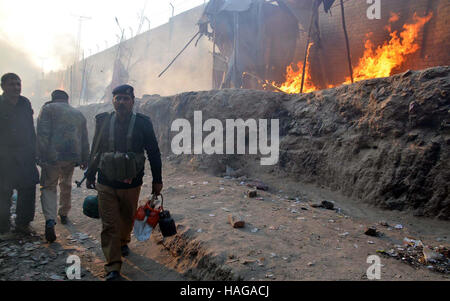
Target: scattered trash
[
  {"x": 56, "y": 277},
  {"x": 311, "y": 264},
  {"x": 398, "y": 226},
  {"x": 384, "y": 223},
  {"x": 412, "y": 242},
  {"x": 431, "y": 256},
  {"x": 417, "y": 254},
  {"x": 324, "y": 204},
  {"x": 254, "y": 230},
  {"x": 370, "y": 242},
  {"x": 226, "y": 209},
  {"x": 344, "y": 234},
  {"x": 236, "y": 221},
  {"x": 246, "y": 260},
  {"x": 252, "y": 193},
  {"x": 372, "y": 231},
  {"x": 199, "y": 230},
  {"x": 258, "y": 185}
]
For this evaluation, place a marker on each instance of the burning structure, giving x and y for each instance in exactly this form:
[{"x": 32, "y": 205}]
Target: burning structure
[
  {"x": 269, "y": 50},
  {"x": 296, "y": 46}
]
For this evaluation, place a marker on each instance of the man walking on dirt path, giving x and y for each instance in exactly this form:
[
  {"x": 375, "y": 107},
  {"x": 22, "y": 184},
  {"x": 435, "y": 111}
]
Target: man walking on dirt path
[
  {"x": 17, "y": 156},
  {"x": 62, "y": 144},
  {"x": 120, "y": 140}
]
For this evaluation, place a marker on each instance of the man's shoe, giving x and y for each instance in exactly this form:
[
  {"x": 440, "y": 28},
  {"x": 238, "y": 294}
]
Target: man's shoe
[
  {"x": 64, "y": 219},
  {"x": 50, "y": 234},
  {"x": 125, "y": 250},
  {"x": 113, "y": 276}
]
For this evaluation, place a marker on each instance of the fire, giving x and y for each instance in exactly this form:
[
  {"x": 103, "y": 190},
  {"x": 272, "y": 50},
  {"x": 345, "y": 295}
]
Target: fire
[
  {"x": 376, "y": 62},
  {"x": 294, "y": 78},
  {"x": 381, "y": 61}
]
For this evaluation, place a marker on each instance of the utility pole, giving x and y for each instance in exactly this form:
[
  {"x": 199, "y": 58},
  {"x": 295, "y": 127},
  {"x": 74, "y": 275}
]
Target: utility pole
[
  {"x": 173, "y": 8},
  {"x": 77, "y": 52},
  {"x": 80, "y": 24}
]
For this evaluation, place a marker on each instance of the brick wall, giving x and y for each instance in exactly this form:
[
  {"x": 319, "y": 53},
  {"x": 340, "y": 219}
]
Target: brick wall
[{"x": 329, "y": 64}]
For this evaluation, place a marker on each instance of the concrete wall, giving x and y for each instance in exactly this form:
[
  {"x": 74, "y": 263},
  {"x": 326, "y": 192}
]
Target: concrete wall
[{"x": 150, "y": 53}]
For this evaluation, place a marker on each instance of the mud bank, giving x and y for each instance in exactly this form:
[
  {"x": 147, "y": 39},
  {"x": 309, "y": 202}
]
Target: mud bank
[{"x": 383, "y": 141}]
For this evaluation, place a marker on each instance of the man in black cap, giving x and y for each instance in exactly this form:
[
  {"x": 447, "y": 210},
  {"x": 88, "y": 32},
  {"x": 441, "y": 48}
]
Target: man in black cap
[
  {"x": 17, "y": 155},
  {"x": 62, "y": 144},
  {"x": 117, "y": 154}
]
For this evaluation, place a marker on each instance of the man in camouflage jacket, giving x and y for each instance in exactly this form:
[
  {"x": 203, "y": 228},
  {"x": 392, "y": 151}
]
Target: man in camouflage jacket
[{"x": 62, "y": 144}]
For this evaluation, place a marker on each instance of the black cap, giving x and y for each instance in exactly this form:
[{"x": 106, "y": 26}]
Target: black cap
[
  {"x": 59, "y": 95},
  {"x": 124, "y": 89}
]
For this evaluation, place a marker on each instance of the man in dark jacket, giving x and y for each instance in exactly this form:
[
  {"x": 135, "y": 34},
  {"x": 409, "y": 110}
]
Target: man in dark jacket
[
  {"x": 17, "y": 155},
  {"x": 123, "y": 135}
]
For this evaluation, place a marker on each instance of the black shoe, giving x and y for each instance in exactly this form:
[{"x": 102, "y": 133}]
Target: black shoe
[
  {"x": 64, "y": 219},
  {"x": 125, "y": 250},
  {"x": 50, "y": 234},
  {"x": 113, "y": 276}
]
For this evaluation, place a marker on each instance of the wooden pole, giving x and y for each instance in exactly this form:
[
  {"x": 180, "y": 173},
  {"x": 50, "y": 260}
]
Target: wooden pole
[
  {"x": 179, "y": 54},
  {"x": 307, "y": 46},
  {"x": 346, "y": 41}
]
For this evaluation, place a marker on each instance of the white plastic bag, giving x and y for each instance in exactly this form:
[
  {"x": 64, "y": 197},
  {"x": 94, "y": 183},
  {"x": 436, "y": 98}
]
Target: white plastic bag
[{"x": 142, "y": 230}]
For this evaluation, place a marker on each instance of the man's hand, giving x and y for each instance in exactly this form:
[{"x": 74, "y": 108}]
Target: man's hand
[
  {"x": 83, "y": 166},
  {"x": 90, "y": 184},
  {"x": 156, "y": 188}
]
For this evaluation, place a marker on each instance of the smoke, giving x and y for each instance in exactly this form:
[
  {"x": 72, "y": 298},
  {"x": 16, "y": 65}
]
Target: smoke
[
  {"x": 16, "y": 61},
  {"x": 64, "y": 50}
]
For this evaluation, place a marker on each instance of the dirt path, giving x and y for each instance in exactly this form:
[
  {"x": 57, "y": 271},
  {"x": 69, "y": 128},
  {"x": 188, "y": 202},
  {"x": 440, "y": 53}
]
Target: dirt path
[{"x": 285, "y": 238}]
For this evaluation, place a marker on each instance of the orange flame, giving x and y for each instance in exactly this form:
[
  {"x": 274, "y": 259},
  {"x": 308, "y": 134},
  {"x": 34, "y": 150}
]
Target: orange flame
[
  {"x": 375, "y": 62},
  {"x": 293, "y": 81},
  {"x": 380, "y": 62}
]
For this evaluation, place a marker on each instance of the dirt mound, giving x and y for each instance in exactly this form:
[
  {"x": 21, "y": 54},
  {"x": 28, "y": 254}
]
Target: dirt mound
[{"x": 383, "y": 141}]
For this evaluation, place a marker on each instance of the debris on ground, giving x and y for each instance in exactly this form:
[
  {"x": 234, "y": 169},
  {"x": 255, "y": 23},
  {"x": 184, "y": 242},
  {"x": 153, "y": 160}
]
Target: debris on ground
[
  {"x": 324, "y": 204},
  {"x": 252, "y": 193},
  {"x": 372, "y": 231},
  {"x": 418, "y": 255},
  {"x": 236, "y": 221},
  {"x": 258, "y": 185}
]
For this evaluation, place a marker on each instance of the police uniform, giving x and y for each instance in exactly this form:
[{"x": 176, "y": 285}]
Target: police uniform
[
  {"x": 118, "y": 200},
  {"x": 62, "y": 144}
]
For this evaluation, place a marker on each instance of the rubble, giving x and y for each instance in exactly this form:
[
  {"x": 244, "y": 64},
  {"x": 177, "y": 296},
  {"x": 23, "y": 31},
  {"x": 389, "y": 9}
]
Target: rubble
[
  {"x": 418, "y": 255},
  {"x": 372, "y": 231}
]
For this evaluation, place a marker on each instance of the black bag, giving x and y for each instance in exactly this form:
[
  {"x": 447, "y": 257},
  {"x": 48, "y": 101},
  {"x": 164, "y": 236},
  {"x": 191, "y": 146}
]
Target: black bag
[{"x": 166, "y": 222}]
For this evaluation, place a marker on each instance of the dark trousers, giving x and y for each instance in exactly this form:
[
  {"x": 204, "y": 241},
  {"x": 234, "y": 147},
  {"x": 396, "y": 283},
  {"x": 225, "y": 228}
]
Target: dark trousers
[{"x": 25, "y": 207}]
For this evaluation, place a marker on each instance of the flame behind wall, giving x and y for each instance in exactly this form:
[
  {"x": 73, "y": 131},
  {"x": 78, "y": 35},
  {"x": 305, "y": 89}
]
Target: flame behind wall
[{"x": 376, "y": 62}]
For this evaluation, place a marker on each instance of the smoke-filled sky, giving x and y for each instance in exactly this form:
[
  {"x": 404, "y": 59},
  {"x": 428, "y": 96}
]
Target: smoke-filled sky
[{"x": 47, "y": 30}]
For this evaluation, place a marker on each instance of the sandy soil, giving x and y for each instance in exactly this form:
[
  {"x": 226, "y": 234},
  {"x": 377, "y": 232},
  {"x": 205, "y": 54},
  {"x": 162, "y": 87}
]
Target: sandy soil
[{"x": 284, "y": 237}]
